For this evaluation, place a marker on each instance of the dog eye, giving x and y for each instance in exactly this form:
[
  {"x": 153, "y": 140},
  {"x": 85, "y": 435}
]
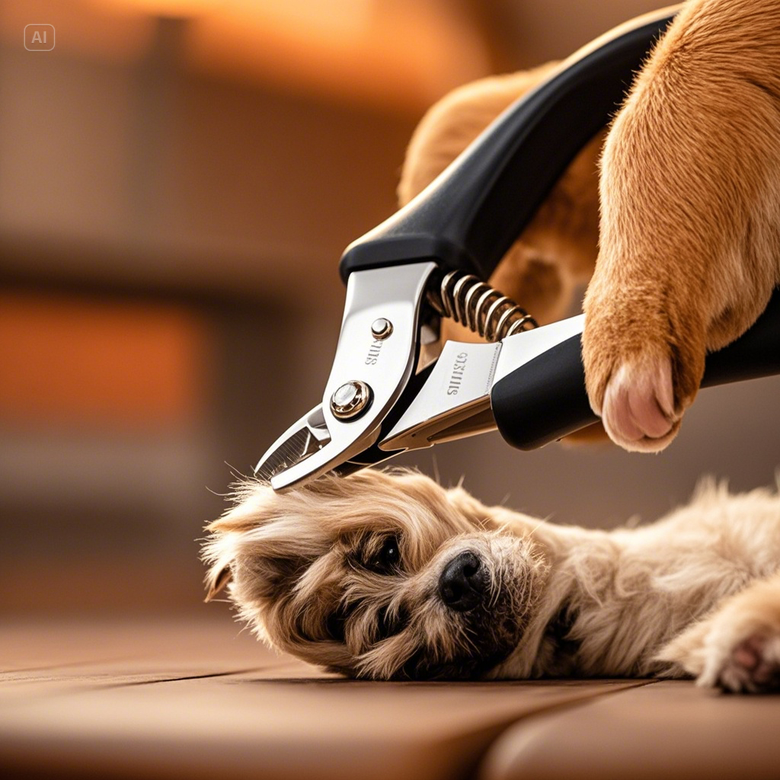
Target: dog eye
[{"x": 388, "y": 559}]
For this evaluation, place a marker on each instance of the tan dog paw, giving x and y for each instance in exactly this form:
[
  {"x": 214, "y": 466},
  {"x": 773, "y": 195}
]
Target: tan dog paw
[
  {"x": 738, "y": 647},
  {"x": 753, "y": 666},
  {"x": 644, "y": 359},
  {"x": 638, "y": 410},
  {"x": 689, "y": 248}
]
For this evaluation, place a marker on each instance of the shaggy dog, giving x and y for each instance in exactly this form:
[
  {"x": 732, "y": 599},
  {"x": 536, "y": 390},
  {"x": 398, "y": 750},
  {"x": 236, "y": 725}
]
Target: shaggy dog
[{"x": 387, "y": 575}]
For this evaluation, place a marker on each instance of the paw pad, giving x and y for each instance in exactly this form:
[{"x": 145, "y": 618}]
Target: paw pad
[
  {"x": 638, "y": 409},
  {"x": 753, "y": 666}
]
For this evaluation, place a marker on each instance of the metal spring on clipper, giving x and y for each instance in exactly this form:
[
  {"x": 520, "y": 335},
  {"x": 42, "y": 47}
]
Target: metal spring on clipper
[{"x": 480, "y": 307}]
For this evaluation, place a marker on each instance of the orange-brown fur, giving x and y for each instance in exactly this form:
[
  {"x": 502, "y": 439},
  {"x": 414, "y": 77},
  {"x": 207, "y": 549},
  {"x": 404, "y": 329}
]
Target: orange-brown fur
[
  {"x": 688, "y": 240},
  {"x": 557, "y": 251},
  {"x": 690, "y": 247}
]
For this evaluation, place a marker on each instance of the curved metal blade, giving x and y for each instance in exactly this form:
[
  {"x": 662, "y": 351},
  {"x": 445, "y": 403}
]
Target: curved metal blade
[
  {"x": 452, "y": 402},
  {"x": 300, "y": 440},
  {"x": 312, "y": 446}
]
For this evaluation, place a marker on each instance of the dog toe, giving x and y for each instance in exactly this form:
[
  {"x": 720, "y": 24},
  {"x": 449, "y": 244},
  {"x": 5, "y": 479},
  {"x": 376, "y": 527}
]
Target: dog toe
[
  {"x": 638, "y": 409},
  {"x": 753, "y": 666}
]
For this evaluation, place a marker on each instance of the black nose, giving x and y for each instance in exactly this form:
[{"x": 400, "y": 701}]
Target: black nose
[{"x": 462, "y": 583}]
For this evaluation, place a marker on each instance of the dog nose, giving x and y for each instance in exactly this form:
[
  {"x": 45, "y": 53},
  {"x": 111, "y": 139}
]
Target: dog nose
[{"x": 462, "y": 583}]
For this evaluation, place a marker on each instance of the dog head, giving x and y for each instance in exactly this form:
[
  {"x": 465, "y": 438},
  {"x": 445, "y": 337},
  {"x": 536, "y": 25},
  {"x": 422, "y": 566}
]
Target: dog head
[{"x": 381, "y": 575}]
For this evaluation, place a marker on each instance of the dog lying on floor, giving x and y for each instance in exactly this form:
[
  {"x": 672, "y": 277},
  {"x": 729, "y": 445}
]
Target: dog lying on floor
[
  {"x": 389, "y": 576},
  {"x": 386, "y": 575}
]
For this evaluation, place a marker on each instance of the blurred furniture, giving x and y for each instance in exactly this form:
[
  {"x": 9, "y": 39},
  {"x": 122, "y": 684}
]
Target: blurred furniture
[
  {"x": 174, "y": 196},
  {"x": 177, "y": 181}
]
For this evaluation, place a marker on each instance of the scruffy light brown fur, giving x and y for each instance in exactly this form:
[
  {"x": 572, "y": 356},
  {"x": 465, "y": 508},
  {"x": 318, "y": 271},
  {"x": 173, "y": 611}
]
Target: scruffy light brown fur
[
  {"x": 696, "y": 593},
  {"x": 686, "y": 252}
]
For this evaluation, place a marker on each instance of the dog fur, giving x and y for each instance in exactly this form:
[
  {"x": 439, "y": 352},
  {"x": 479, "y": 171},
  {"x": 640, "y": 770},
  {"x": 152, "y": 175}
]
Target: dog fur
[
  {"x": 686, "y": 251},
  {"x": 696, "y": 593}
]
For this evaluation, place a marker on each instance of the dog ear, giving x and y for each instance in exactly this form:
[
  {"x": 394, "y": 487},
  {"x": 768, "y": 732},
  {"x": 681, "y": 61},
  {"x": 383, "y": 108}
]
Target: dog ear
[
  {"x": 264, "y": 542},
  {"x": 472, "y": 509},
  {"x": 216, "y": 580},
  {"x": 259, "y": 568},
  {"x": 218, "y": 551}
]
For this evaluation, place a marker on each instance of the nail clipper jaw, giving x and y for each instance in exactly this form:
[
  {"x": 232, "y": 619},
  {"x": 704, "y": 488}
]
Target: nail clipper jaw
[
  {"x": 368, "y": 376},
  {"x": 454, "y": 401},
  {"x": 300, "y": 440}
]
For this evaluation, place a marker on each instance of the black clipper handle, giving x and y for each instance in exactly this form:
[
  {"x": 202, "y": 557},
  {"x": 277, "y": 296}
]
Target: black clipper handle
[
  {"x": 474, "y": 211},
  {"x": 545, "y": 399}
]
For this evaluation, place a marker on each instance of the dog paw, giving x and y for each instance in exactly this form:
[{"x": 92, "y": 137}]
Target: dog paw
[
  {"x": 640, "y": 375},
  {"x": 638, "y": 409},
  {"x": 736, "y": 648},
  {"x": 752, "y": 666}
]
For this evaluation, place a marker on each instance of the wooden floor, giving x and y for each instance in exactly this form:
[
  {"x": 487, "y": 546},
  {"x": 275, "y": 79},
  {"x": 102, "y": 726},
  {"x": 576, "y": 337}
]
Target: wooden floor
[{"x": 170, "y": 699}]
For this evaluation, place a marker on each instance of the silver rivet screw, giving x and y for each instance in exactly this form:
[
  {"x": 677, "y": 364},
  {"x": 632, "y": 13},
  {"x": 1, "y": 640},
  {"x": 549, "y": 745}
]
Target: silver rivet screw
[
  {"x": 350, "y": 399},
  {"x": 381, "y": 328}
]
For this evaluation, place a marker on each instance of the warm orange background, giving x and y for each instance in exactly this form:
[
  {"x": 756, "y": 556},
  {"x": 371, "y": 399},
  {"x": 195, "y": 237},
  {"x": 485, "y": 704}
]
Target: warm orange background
[
  {"x": 72, "y": 362},
  {"x": 178, "y": 179}
]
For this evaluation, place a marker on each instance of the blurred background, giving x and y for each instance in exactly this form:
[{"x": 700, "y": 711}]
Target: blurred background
[{"x": 178, "y": 179}]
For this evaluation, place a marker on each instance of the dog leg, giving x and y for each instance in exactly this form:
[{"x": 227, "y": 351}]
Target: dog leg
[
  {"x": 556, "y": 253},
  {"x": 557, "y": 250},
  {"x": 690, "y": 238},
  {"x": 737, "y": 648}
]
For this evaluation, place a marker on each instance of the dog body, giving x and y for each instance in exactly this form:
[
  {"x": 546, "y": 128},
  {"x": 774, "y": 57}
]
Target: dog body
[{"x": 389, "y": 576}]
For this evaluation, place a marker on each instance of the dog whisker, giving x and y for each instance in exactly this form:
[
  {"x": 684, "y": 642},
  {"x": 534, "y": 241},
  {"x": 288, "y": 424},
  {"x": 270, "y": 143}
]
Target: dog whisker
[{"x": 435, "y": 462}]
